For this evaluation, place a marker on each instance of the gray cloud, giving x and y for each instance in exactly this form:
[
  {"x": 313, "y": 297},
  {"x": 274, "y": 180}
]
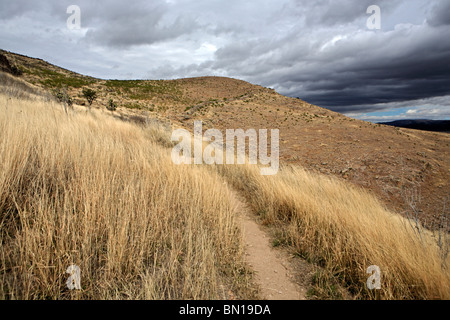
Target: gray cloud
[
  {"x": 331, "y": 13},
  {"x": 13, "y": 9},
  {"x": 138, "y": 23},
  {"x": 320, "y": 51},
  {"x": 440, "y": 14}
]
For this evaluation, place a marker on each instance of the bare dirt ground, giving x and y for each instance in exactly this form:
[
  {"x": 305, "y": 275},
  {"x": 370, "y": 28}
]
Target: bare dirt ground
[{"x": 278, "y": 275}]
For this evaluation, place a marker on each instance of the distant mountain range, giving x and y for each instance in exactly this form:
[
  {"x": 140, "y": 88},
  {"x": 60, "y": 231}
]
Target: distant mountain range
[{"x": 422, "y": 124}]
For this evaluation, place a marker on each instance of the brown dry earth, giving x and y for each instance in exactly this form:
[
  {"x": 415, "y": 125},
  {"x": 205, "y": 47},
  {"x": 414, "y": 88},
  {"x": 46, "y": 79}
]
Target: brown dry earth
[
  {"x": 408, "y": 170},
  {"x": 278, "y": 276}
]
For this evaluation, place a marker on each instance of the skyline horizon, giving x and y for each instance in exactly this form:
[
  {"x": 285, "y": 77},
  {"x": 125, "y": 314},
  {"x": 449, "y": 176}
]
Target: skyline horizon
[{"x": 377, "y": 117}]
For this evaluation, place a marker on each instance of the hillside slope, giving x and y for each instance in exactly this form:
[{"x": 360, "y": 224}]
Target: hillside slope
[
  {"x": 86, "y": 189},
  {"x": 407, "y": 169},
  {"x": 89, "y": 189}
]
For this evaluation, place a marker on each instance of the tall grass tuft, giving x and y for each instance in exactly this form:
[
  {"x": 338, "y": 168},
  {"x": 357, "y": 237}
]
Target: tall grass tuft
[
  {"x": 88, "y": 190},
  {"x": 345, "y": 230}
]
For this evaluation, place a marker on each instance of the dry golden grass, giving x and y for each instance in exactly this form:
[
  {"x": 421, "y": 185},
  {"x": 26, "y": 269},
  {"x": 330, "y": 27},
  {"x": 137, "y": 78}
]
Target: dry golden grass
[
  {"x": 345, "y": 230},
  {"x": 15, "y": 87},
  {"x": 385, "y": 160},
  {"x": 89, "y": 190}
]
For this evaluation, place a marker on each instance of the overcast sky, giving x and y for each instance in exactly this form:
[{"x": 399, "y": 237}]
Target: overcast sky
[{"x": 321, "y": 51}]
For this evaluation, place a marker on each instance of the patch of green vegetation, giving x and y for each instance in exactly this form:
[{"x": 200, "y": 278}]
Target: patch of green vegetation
[
  {"x": 122, "y": 83},
  {"x": 324, "y": 287},
  {"x": 90, "y": 95},
  {"x": 47, "y": 72},
  {"x": 111, "y": 106},
  {"x": 146, "y": 89},
  {"x": 52, "y": 79},
  {"x": 60, "y": 81},
  {"x": 39, "y": 72},
  {"x": 134, "y": 105}
]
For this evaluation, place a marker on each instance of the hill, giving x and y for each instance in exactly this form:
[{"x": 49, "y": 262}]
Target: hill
[
  {"x": 407, "y": 169},
  {"x": 422, "y": 124},
  {"x": 92, "y": 189}
]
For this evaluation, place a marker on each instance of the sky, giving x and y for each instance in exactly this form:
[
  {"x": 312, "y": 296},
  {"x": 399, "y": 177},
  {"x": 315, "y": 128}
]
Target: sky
[{"x": 324, "y": 52}]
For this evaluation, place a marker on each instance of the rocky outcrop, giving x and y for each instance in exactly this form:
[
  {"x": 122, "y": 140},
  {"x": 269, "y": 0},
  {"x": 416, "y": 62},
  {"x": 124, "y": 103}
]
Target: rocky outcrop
[{"x": 5, "y": 66}]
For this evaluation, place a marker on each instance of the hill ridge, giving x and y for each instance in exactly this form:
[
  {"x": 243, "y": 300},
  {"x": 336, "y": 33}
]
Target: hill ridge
[{"x": 391, "y": 162}]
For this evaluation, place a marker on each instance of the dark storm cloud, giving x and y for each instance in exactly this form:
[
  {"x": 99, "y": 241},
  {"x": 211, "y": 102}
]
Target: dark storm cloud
[
  {"x": 111, "y": 23},
  {"x": 398, "y": 72},
  {"x": 356, "y": 71},
  {"x": 417, "y": 72},
  {"x": 320, "y": 51},
  {"x": 331, "y": 12},
  {"x": 138, "y": 23},
  {"x": 440, "y": 14}
]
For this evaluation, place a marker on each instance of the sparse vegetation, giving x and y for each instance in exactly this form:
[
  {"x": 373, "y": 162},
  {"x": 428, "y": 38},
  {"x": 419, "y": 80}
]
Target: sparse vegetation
[
  {"x": 52, "y": 79},
  {"x": 344, "y": 230},
  {"x": 97, "y": 192},
  {"x": 17, "y": 88},
  {"x": 63, "y": 97},
  {"x": 102, "y": 193},
  {"x": 111, "y": 105},
  {"x": 146, "y": 89},
  {"x": 90, "y": 95},
  {"x": 134, "y": 105}
]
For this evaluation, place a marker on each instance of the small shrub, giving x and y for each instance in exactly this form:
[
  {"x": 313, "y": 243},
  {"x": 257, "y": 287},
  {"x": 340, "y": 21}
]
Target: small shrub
[
  {"x": 63, "y": 97},
  {"x": 90, "y": 95},
  {"x": 111, "y": 105}
]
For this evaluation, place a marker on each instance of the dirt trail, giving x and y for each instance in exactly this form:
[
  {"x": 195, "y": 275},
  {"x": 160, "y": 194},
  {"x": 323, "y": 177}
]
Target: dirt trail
[{"x": 274, "y": 273}]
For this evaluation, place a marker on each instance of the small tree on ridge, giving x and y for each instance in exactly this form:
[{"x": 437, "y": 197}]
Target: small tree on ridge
[{"x": 90, "y": 95}]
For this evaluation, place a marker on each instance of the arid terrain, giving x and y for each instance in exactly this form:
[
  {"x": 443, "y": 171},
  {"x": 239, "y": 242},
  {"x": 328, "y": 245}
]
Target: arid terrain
[
  {"x": 409, "y": 170},
  {"x": 94, "y": 187}
]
